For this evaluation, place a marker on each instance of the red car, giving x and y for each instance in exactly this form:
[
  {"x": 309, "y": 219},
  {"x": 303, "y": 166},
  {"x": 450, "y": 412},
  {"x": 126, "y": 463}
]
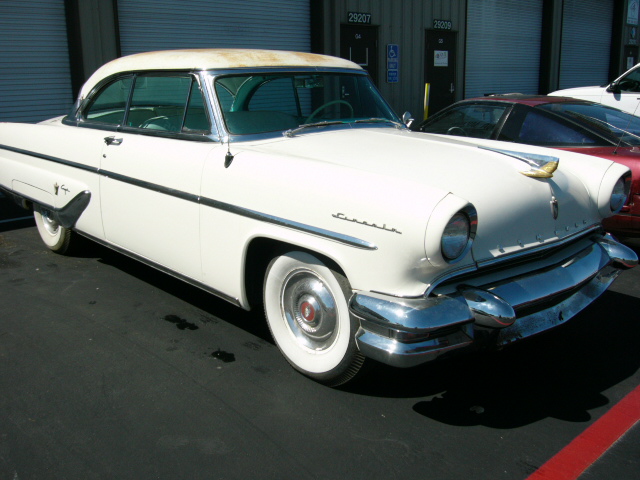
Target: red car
[{"x": 556, "y": 122}]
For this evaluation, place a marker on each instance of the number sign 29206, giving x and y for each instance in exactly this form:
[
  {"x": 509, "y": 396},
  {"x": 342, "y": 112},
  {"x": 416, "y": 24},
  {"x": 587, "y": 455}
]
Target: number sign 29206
[{"x": 355, "y": 17}]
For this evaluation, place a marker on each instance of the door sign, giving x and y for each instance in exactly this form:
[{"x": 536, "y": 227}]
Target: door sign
[{"x": 440, "y": 58}]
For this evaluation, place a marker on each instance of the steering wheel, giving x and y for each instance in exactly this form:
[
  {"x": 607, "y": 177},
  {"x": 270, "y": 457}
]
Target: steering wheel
[
  {"x": 328, "y": 104},
  {"x": 460, "y": 132}
]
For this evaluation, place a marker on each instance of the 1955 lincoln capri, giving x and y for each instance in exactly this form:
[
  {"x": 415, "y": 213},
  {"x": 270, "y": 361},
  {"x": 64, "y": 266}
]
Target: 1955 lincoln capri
[{"x": 283, "y": 180}]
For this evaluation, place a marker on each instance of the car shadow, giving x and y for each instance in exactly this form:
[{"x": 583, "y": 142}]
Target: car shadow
[
  {"x": 13, "y": 217},
  {"x": 562, "y": 374},
  {"x": 250, "y": 321}
]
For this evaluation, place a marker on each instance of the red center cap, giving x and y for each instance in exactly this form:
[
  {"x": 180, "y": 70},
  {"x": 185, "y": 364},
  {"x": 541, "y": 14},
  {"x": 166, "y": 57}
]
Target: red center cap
[{"x": 307, "y": 311}]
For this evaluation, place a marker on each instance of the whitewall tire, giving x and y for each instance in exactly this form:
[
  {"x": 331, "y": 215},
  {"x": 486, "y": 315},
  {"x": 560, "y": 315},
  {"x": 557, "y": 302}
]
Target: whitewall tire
[
  {"x": 56, "y": 237},
  {"x": 306, "y": 308}
]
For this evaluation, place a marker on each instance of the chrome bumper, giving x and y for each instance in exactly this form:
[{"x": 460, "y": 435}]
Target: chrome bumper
[{"x": 408, "y": 332}]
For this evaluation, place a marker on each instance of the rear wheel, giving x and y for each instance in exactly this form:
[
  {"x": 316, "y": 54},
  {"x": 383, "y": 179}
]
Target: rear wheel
[
  {"x": 306, "y": 308},
  {"x": 56, "y": 237}
]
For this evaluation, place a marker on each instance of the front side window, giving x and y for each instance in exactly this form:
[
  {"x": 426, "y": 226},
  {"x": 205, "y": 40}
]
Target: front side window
[
  {"x": 630, "y": 82},
  {"x": 275, "y": 102},
  {"x": 472, "y": 120},
  {"x": 159, "y": 103}
]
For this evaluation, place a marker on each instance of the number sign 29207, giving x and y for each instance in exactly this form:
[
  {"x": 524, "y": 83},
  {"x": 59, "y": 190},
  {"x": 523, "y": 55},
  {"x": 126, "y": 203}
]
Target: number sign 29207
[{"x": 363, "y": 18}]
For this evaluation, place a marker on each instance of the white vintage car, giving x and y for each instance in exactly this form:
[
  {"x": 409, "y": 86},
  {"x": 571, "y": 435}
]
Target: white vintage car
[
  {"x": 623, "y": 93},
  {"x": 283, "y": 180}
]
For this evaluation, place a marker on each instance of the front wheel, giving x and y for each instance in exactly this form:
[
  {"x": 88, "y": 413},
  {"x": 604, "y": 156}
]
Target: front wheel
[
  {"x": 307, "y": 312},
  {"x": 56, "y": 237}
]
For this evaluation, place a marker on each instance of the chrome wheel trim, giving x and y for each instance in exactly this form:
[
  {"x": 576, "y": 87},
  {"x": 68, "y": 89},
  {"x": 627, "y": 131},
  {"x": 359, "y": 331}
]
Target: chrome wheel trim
[
  {"x": 310, "y": 310},
  {"x": 51, "y": 226}
]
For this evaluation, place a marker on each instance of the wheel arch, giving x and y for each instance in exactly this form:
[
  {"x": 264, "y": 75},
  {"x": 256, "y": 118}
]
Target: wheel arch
[{"x": 259, "y": 253}]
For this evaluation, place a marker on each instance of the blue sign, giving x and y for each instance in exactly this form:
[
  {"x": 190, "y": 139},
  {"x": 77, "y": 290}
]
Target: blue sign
[{"x": 393, "y": 63}]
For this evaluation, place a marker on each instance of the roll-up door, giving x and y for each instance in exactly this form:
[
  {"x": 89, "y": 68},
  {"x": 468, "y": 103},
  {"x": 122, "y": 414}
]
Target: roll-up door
[
  {"x": 586, "y": 42},
  {"x": 503, "y": 47},
  {"x": 35, "y": 79},
  {"x": 147, "y": 25}
]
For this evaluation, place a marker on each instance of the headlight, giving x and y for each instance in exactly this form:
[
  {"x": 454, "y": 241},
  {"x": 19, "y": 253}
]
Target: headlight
[
  {"x": 455, "y": 237},
  {"x": 613, "y": 190},
  {"x": 620, "y": 193}
]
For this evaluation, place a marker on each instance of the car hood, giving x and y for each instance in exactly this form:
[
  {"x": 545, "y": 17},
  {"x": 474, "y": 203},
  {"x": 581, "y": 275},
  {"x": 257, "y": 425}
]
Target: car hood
[{"x": 515, "y": 212}]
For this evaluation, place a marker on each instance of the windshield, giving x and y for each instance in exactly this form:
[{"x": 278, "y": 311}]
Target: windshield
[
  {"x": 609, "y": 122},
  {"x": 263, "y": 103}
]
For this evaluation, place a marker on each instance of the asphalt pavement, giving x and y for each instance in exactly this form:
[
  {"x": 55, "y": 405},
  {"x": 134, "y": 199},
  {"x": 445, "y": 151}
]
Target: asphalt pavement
[{"x": 111, "y": 370}]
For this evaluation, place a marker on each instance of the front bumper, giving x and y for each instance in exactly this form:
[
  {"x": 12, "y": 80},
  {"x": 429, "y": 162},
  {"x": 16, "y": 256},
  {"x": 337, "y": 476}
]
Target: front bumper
[{"x": 408, "y": 332}]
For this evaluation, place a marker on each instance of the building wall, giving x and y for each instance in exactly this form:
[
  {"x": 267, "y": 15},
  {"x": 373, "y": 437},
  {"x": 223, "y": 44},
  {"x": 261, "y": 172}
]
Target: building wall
[
  {"x": 399, "y": 22},
  {"x": 94, "y": 38}
]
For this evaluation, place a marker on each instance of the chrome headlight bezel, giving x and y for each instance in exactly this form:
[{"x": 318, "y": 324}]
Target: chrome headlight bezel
[
  {"x": 458, "y": 234},
  {"x": 620, "y": 193},
  {"x": 610, "y": 183}
]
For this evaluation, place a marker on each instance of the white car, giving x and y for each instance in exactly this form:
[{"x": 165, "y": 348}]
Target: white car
[
  {"x": 283, "y": 180},
  {"x": 623, "y": 93}
]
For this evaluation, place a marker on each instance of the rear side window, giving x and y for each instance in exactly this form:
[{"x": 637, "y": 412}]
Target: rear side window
[
  {"x": 110, "y": 103},
  {"x": 539, "y": 129}
]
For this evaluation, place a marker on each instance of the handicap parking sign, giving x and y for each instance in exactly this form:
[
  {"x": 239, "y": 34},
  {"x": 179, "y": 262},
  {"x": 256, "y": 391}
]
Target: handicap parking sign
[{"x": 393, "y": 63}]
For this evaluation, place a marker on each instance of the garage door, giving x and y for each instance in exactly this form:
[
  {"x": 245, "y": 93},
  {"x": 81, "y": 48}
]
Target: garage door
[
  {"x": 586, "y": 42},
  {"x": 147, "y": 25},
  {"x": 503, "y": 46},
  {"x": 35, "y": 79}
]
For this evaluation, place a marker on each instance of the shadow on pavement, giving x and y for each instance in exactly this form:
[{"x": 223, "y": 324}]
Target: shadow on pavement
[
  {"x": 560, "y": 374},
  {"x": 252, "y": 322}
]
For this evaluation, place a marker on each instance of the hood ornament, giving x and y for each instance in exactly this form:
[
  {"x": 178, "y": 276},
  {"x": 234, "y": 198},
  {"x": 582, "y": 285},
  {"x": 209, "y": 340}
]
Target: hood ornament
[
  {"x": 541, "y": 166},
  {"x": 555, "y": 208}
]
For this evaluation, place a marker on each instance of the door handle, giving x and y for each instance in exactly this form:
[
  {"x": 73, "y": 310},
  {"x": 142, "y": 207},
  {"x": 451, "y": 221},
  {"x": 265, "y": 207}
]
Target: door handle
[{"x": 112, "y": 140}]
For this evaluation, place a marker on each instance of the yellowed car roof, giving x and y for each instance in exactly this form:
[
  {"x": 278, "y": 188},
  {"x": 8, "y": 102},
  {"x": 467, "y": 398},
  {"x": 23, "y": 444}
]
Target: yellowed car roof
[{"x": 215, "y": 58}]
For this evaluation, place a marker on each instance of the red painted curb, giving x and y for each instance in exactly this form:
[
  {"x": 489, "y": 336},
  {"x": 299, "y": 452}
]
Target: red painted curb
[{"x": 570, "y": 462}]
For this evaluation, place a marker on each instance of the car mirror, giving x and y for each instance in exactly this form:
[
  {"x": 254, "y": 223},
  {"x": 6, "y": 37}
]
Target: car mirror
[
  {"x": 407, "y": 119},
  {"x": 614, "y": 87}
]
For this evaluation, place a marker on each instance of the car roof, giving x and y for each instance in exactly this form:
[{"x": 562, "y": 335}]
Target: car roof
[
  {"x": 530, "y": 100},
  {"x": 213, "y": 58}
]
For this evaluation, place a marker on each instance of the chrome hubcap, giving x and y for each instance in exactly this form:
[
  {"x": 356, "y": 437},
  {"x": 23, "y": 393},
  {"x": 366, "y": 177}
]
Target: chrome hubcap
[
  {"x": 50, "y": 225},
  {"x": 309, "y": 309}
]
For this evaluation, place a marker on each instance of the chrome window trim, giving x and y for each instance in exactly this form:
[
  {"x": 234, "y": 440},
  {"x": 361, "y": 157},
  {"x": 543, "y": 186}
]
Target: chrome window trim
[{"x": 209, "y": 202}]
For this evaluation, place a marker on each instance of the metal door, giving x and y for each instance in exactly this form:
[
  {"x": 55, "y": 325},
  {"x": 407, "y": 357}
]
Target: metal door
[
  {"x": 440, "y": 68},
  {"x": 360, "y": 45}
]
